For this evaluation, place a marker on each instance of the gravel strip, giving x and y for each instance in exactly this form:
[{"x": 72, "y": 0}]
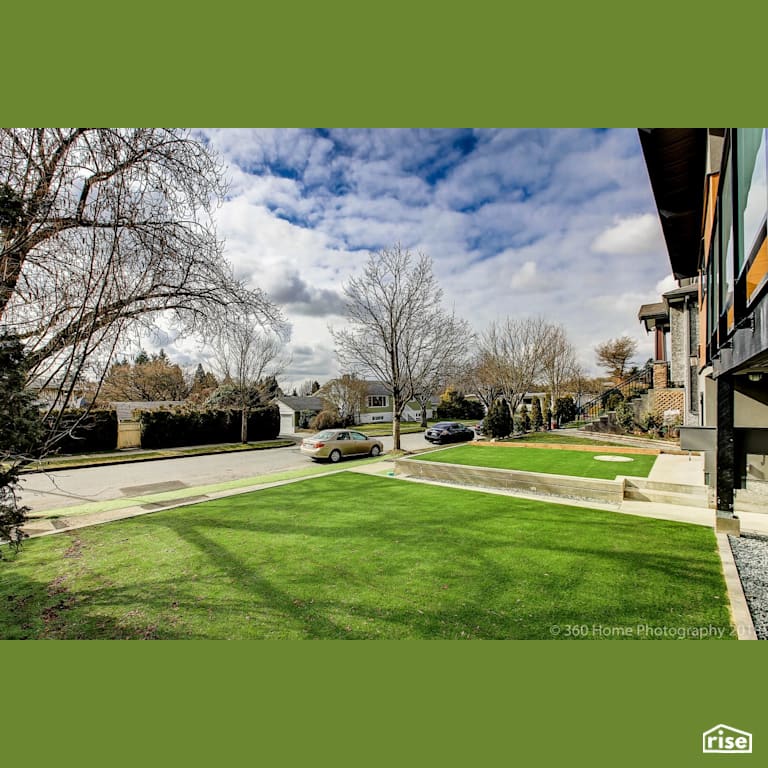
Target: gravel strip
[{"x": 750, "y": 552}]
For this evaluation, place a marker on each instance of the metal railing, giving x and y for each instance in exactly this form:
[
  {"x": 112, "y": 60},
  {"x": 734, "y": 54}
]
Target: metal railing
[{"x": 634, "y": 386}]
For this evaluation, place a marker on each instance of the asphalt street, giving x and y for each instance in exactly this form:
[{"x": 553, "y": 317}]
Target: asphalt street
[{"x": 70, "y": 487}]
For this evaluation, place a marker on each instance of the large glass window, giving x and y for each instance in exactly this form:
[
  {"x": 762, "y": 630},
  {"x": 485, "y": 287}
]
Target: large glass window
[
  {"x": 713, "y": 287},
  {"x": 752, "y": 188},
  {"x": 726, "y": 245}
]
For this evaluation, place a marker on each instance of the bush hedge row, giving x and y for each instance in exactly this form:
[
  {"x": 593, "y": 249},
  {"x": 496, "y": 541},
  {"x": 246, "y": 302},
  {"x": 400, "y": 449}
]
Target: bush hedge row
[
  {"x": 96, "y": 432},
  {"x": 173, "y": 428}
]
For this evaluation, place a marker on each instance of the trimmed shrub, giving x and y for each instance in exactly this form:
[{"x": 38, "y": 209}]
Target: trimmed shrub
[
  {"x": 611, "y": 400},
  {"x": 174, "y": 428},
  {"x": 625, "y": 416},
  {"x": 96, "y": 432},
  {"x": 326, "y": 420},
  {"x": 454, "y": 405}
]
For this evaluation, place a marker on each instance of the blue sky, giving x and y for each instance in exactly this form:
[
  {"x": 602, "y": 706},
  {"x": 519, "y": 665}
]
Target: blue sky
[{"x": 557, "y": 222}]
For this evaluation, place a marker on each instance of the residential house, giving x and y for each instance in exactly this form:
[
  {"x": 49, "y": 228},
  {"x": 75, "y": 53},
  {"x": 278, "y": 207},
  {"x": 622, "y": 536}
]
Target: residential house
[
  {"x": 711, "y": 192},
  {"x": 297, "y": 412},
  {"x": 674, "y": 322}
]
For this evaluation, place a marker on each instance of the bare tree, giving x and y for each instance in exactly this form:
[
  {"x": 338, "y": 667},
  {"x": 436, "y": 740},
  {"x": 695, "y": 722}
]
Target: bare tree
[
  {"x": 614, "y": 355},
  {"x": 101, "y": 231},
  {"x": 345, "y": 395},
  {"x": 245, "y": 355},
  {"x": 514, "y": 350},
  {"x": 480, "y": 378},
  {"x": 437, "y": 356},
  {"x": 308, "y": 388},
  {"x": 558, "y": 362},
  {"x": 389, "y": 307}
]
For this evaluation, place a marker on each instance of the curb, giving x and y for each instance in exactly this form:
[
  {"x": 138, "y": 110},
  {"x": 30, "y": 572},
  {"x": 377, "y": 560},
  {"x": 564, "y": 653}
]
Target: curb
[
  {"x": 740, "y": 615},
  {"x": 128, "y": 460}
]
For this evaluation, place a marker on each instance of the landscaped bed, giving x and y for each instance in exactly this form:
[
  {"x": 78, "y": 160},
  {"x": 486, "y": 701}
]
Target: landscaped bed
[
  {"x": 356, "y": 556},
  {"x": 577, "y": 463}
]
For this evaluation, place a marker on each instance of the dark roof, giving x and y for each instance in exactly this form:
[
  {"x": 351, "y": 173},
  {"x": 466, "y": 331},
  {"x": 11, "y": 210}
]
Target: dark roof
[
  {"x": 676, "y": 160},
  {"x": 678, "y": 294},
  {"x": 302, "y": 403},
  {"x": 378, "y": 388},
  {"x": 648, "y": 311},
  {"x": 652, "y": 315}
]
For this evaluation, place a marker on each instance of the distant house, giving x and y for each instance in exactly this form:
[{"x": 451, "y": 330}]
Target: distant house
[
  {"x": 378, "y": 406},
  {"x": 297, "y": 412}
]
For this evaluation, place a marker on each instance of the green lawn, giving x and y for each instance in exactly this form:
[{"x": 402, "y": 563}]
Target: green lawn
[
  {"x": 549, "y": 460},
  {"x": 356, "y": 556}
]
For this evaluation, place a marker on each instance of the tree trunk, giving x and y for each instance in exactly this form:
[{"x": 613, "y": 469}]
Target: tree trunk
[
  {"x": 244, "y": 425},
  {"x": 424, "y": 415},
  {"x": 395, "y": 428}
]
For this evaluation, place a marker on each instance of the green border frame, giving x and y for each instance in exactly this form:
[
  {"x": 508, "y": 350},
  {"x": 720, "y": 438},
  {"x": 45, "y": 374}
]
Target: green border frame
[{"x": 401, "y": 64}]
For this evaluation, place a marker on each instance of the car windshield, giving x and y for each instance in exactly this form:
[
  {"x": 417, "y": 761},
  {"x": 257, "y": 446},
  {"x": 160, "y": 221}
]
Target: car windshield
[
  {"x": 325, "y": 435},
  {"x": 443, "y": 425}
]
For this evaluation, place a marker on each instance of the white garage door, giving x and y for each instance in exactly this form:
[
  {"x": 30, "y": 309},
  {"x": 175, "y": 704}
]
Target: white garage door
[{"x": 286, "y": 424}]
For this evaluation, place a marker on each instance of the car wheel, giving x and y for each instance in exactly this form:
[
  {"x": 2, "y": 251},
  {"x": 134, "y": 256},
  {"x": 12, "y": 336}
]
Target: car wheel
[
  {"x": 375, "y": 451},
  {"x": 335, "y": 456}
]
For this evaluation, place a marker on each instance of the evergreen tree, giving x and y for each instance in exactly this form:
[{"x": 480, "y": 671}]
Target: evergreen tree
[
  {"x": 548, "y": 418},
  {"x": 21, "y": 437},
  {"x": 141, "y": 358},
  {"x": 497, "y": 422},
  {"x": 537, "y": 420},
  {"x": 315, "y": 386},
  {"x": 525, "y": 418}
]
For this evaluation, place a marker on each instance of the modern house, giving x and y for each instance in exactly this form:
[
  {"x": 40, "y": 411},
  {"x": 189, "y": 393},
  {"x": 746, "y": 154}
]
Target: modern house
[{"x": 711, "y": 192}]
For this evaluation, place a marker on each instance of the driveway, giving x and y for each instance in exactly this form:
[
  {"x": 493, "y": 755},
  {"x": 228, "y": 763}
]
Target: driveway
[{"x": 71, "y": 487}]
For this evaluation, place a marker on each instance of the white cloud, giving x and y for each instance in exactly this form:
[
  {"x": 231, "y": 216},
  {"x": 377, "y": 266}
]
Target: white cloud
[
  {"x": 559, "y": 223},
  {"x": 631, "y": 236}
]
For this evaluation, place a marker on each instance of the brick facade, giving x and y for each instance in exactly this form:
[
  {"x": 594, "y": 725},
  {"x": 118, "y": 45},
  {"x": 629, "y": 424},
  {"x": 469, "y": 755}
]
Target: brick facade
[{"x": 660, "y": 374}]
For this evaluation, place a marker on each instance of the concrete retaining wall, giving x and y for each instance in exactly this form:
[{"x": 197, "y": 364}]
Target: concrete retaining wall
[{"x": 605, "y": 491}]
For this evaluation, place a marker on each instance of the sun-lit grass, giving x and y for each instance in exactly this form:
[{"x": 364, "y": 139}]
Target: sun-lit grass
[
  {"x": 356, "y": 556},
  {"x": 551, "y": 461}
]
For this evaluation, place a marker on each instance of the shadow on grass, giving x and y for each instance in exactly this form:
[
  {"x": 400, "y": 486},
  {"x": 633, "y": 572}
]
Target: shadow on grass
[{"x": 366, "y": 557}]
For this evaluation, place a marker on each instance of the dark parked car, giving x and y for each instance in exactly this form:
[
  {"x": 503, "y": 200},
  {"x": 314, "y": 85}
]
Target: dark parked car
[{"x": 448, "y": 432}]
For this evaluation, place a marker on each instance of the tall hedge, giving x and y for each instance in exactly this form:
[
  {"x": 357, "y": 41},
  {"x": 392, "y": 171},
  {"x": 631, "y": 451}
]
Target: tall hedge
[
  {"x": 174, "y": 428},
  {"x": 96, "y": 432}
]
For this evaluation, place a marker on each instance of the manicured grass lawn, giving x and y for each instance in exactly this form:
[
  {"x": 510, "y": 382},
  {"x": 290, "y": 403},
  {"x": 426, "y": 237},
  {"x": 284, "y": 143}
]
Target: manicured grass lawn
[
  {"x": 551, "y": 461},
  {"x": 356, "y": 556}
]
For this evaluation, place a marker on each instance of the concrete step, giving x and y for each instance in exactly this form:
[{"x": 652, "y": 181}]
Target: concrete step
[
  {"x": 642, "y": 483},
  {"x": 747, "y": 500},
  {"x": 667, "y": 497}
]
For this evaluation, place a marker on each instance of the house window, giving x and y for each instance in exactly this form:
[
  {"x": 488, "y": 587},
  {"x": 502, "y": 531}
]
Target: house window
[
  {"x": 377, "y": 401},
  {"x": 377, "y": 418},
  {"x": 752, "y": 189}
]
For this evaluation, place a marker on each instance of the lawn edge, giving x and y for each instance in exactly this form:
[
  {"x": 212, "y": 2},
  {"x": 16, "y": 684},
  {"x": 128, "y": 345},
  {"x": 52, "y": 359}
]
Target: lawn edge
[{"x": 741, "y": 618}]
